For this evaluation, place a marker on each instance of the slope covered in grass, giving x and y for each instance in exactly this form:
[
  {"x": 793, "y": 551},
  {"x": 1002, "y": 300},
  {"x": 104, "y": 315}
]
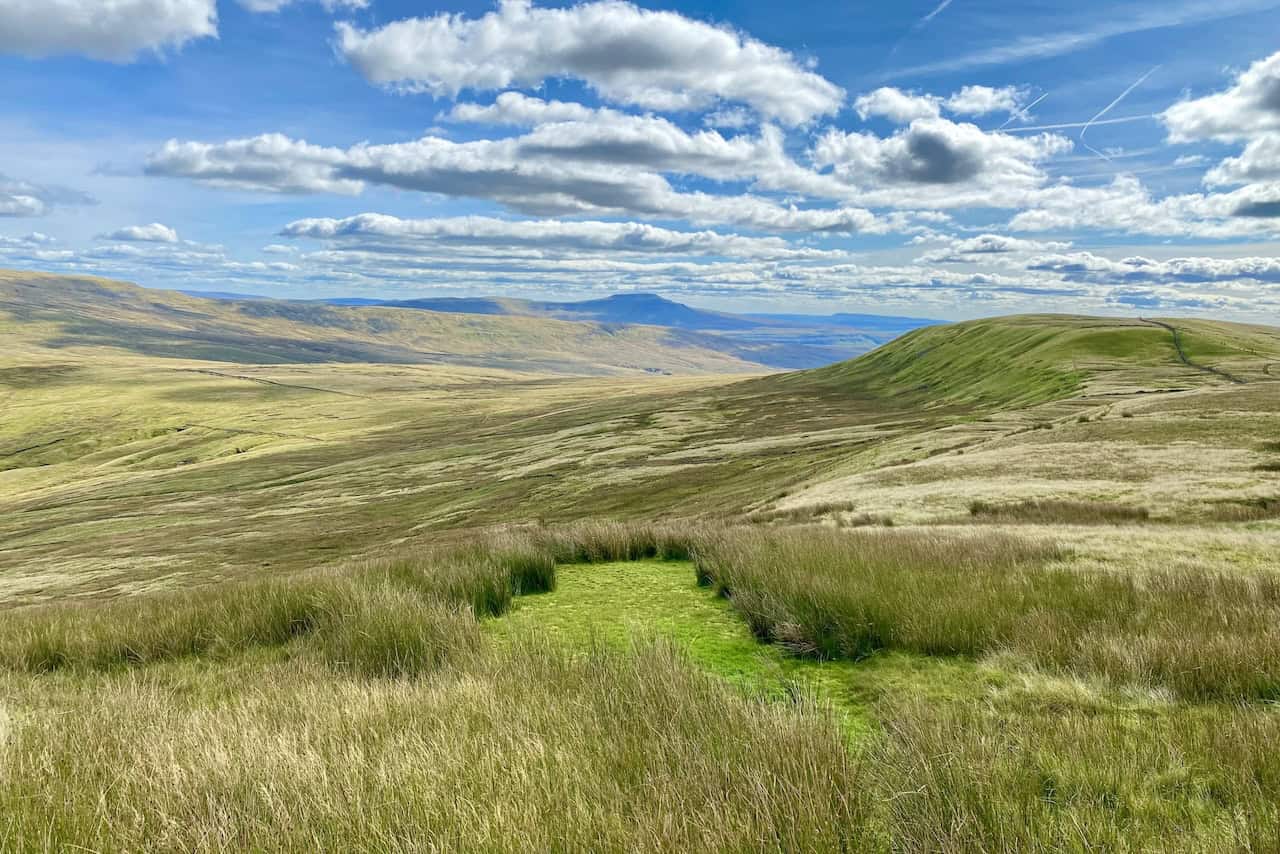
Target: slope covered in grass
[
  {"x": 79, "y": 314},
  {"x": 1026, "y": 360}
]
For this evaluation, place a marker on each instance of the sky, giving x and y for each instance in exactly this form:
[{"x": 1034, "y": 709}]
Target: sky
[{"x": 938, "y": 158}]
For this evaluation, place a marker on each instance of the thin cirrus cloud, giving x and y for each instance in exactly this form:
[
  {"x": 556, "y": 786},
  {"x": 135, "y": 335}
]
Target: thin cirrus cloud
[
  {"x": 657, "y": 60},
  {"x": 1065, "y": 40}
]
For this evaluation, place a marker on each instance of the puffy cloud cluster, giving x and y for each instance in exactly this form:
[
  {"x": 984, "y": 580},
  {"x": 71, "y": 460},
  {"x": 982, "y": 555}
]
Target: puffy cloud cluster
[
  {"x": 1249, "y": 112},
  {"x": 575, "y": 236},
  {"x": 1248, "y": 108},
  {"x": 1086, "y": 266},
  {"x": 567, "y": 168},
  {"x": 153, "y": 233},
  {"x": 277, "y": 5},
  {"x": 658, "y": 60},
  {"x": 905, "y": 107},
  {"x": 936, "y": 151},
  {"x": 116, "y": 31}
]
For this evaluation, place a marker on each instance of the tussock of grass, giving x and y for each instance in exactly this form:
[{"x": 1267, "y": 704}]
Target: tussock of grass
[
  {"x": 482, "y": 576},
  {"x": 968, "y": 776},
  {"x": 1246, "y": 510},
  {"x": 1057, "y": 511},
  {"x": 390, "y": 632},
  {"x": 849, "y": 594},
  {"x": 607, "y": 541},
  {"x": 215, "y": 622},
  {"x": 1270, "y": 465}
]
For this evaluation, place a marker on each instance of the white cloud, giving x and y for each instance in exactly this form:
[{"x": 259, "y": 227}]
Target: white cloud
[
  {"x": 938, "y": 152},
  {"x": 25, "y": 199},
  {"x": 984, "y": 100},
  {"x": 1125, "y": 205},
  {"x": 1117, "y": 22},
  {"x": 271, "y": 162},
  {"x": 1250, "y": 107},
  {"x": 113, "y": 30},
  {"x": 1086, "y": 266},
  {"x": 1259, "y": 162},
  {"x": 566, "y": 168},
  {"x": 985, "y": 246},
  {"x": 373, "y": 230},
  {"x": 657, "y": 60},
  {"x": 897, "y": 106},
  {"x": 19, "y": 204},
  {"x": 516, "y": 109},
  {"x": 277, "y": 5},
  {"x": 153, "y": 233}
]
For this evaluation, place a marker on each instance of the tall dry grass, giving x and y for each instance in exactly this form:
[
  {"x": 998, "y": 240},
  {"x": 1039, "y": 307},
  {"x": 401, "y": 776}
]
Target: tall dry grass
[
  {"x": 973, "y": 776},
  {"x": 848, "y": 594},
  {"x": 527, "y": 747}
]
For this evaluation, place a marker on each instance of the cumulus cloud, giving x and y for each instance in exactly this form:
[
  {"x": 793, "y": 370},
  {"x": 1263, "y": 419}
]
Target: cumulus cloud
[
  {"x": 629, "y": 55},
  {"x": 1125, "y": 205},
  {"x": 559, "y": 169},
  {"x": 277, "y": 5},
  {"x": 1086, "y": 266},
  {"x": 984, "y": 100},
  {"x": 897, "y": 106},
  {"x": 1250, "y": 107},
  {"x": 23, "y": 198},
  {"x": 937, "y": 152},
  {"x": 972, "y": 249},
  {"x": 373, "y": 229},
  {"x": 1259, "y": 162},
  {"x": 153, "y": 233},
  {"x": 903, "y": 108},
  {"x": 270, "y": 162},
  {"x": 518, "y": 110},
  {"x": 116, "y": 31}
]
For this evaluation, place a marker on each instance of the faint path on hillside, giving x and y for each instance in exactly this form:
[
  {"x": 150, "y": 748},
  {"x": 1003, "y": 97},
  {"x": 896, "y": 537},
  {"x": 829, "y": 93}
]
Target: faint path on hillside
[
  {"x": 273, "y": 382},
  {"x": 1182, "y": 354}
]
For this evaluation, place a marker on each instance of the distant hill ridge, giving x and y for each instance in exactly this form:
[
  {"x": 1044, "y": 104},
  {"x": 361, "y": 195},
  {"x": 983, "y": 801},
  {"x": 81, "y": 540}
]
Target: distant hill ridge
[{"x": 785, "y": 341}]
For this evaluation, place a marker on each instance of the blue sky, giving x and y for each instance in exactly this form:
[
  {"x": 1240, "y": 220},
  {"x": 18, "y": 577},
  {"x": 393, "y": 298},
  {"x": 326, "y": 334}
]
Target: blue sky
[{"x": 935, "y": 158}]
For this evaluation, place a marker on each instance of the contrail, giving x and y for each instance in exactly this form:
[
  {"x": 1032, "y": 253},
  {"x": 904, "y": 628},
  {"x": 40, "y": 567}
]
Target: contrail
[
  {"x": 1108, "y": 109},
  {"x": 920, "y": 25},
  {"x": 1025, "y": 111},
  {"x": 1068, "y": 125},
  {"x": 942, "y": 7}
]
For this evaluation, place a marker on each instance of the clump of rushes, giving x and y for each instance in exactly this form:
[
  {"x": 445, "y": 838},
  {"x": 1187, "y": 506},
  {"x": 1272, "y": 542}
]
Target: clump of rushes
[
  {"x": 390, "y": 632},
  {"x": 1050, "y": 511},
  {"x": 215, "y": 622},
  {"x": 835, "y": 594}
]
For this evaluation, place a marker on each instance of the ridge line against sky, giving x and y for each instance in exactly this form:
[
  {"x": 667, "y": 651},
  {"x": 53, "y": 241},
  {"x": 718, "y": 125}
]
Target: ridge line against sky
[{"x": 952, "y": 159}]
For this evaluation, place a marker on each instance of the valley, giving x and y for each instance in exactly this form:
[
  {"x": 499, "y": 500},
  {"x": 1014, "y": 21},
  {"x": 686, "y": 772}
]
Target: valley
[{"x": 1022, "y": 566}]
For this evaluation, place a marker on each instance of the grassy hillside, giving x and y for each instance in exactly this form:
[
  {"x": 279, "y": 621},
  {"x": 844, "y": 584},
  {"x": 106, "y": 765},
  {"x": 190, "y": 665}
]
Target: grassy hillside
[
  {"x": 62, "y": 313},
  {"x": 1021, "y": 361},
  {"x": 1008, "y": 585}
]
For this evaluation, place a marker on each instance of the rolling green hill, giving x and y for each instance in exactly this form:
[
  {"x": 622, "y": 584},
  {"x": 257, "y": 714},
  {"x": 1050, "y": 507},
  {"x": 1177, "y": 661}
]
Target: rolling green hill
[
  {"x": 1015, "y": 567},
  {"x": 1026, "y": 360}
]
